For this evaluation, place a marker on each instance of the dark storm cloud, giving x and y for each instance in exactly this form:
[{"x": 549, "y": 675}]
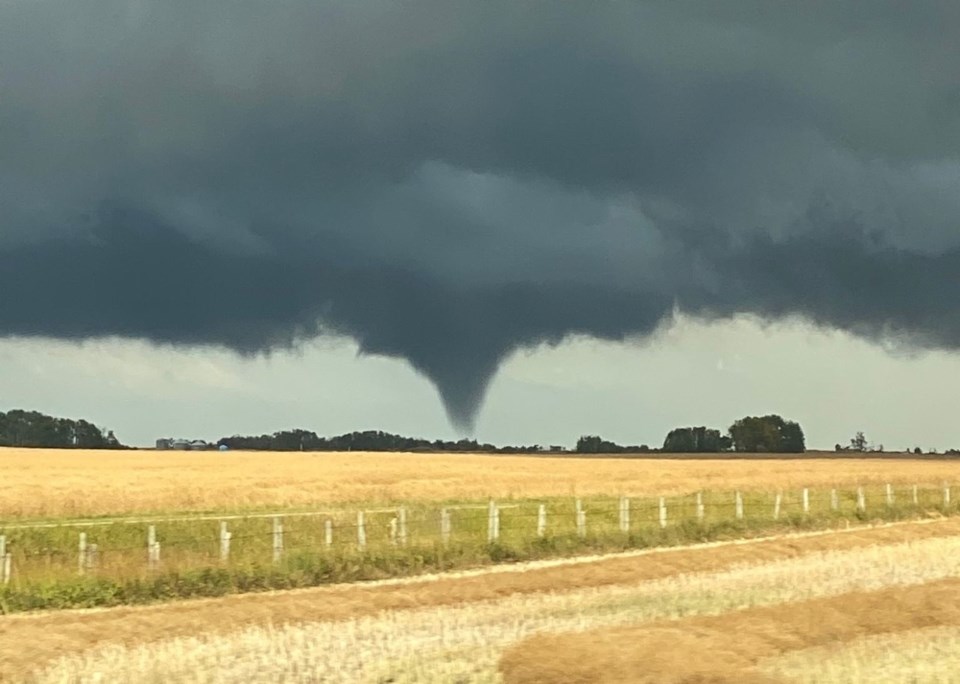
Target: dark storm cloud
[{"x": 446, "y": 182}]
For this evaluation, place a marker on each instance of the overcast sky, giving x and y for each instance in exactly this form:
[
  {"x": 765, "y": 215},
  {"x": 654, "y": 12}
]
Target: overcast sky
[{"x": 445, "y": 218}]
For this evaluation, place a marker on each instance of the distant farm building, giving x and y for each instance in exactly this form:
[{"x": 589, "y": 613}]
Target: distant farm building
[{"x": 168, "y": 444}]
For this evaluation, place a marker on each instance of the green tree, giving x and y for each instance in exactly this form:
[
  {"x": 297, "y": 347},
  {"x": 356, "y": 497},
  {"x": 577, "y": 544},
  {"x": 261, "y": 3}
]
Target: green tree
[
  {"x": 859, "y": 442},
  {"x": 767, "y": 434},
  {"x": 695, "y": 440}
]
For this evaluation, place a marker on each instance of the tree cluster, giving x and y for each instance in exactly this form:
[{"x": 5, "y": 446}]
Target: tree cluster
[
  {"x": 752, "y": 434},
  {"x": 767, "y": 434},
  {"x": 696, "y": 440},
  {"x": 32, "y": 429},
  {"x": 592, "y": 444}
]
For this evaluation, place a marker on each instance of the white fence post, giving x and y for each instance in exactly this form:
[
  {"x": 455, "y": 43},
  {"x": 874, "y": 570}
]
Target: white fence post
[
  {"x": 624, "y": 514},
  {"x": 81, "y": 552},
  {"x": 805, "y": 496},
  {"x": 393, "y": 530},
  {"x": 861, "y": 500},
  {"x": 778, "y": 499},
  {"x": 361, "y": 531},
  {"x": 739, "y": 505},
  {"x": 700, "y": 509},
  {"x": 581, "y": 520},
  {"x": 663, "y": 512},
  {"x": 4, "y": 561},
  {"x": 916, "y": 495},
  {"x": 889, "y": 495},
  {"x": 402, "y": 525},
  {"x": 445, "y": 525},
  {"x": 542, "y": 520},
  {"x": 328, "y": 532},
  {"x": 946, "y": 495},
  {"x": 225, "y": 537},
  {"x": 834, "y": 500},
  {"x": 493, "y": 522},
  {"x": 277, "y": 538},
  {"x": 153, "y": 547}
]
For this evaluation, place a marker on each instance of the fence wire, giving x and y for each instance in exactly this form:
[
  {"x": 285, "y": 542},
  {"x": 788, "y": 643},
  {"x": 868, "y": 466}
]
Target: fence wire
[{"x": 24, "y": 547}]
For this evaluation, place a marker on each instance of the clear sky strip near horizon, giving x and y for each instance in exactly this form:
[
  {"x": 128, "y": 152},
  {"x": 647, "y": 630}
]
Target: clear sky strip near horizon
[
  {"x": 310, "y": 212},
  {"x": 690, "y": 374}
]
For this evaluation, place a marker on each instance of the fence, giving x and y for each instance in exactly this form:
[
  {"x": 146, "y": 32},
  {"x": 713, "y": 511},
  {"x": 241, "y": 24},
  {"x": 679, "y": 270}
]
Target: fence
[{"x": 129, "y": 546}]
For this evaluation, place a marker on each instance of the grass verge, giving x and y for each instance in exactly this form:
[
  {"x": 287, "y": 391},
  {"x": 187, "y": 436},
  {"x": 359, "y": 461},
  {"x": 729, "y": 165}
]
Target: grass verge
[{"x": 49, "y": 579}]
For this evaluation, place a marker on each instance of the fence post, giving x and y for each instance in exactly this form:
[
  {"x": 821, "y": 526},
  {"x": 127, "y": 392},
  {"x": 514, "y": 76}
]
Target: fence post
[
  {"x": 153, "y": 547},
  {"x": 624, "y": 514},
  {"x": 889, "y": 495},
  {"x": 224, "y": 542},
  {"x": 916, "y": 495},
  {"x": 663, "y": 512},
  {"x": 277, "y": 538},
  {"x": 581, "y": 520},
  {"x": 445, "y": 525},
  {"x": 861, "y": 500},
  {"x": 402, "y": 524},
  {"x": 361, "y": 531},
  {"x": 805, "y": 496},
  {"x": 700, "y": 509},
  {"x": 493, "y": 522},
  {"x": 4, "y": 561},
  {"x": 328, "y": 532},
  {"x": 542, "y": 520},
  {"x": 946, "y": 495},
  {"x": 777, "y": 500},
  {"x": 393, "y": 530},
  {"x": 739, "y": 505},
  {"x": 81, "y": 552},
  {"x": 834, "y": 500}
]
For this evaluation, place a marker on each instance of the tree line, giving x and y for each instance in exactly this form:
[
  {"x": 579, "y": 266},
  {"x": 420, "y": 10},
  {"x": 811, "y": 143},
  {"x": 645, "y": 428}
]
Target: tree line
[
  {"x": 20, "y": 428},
  {"x": 751, "y": 434},
  {"x": 368, "y": 440}
]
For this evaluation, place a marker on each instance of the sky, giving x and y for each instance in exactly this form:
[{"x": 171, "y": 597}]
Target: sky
[{"x": 518, "y": 221}]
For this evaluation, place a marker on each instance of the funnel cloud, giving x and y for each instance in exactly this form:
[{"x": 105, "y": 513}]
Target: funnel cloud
[{"x": 449, "y": 182}]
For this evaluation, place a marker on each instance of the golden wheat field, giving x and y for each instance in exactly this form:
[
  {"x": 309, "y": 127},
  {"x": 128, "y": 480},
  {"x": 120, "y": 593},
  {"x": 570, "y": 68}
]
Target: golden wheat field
[
  {"x": 722, "y": 612},
  {"x": 41, "y": 483}
]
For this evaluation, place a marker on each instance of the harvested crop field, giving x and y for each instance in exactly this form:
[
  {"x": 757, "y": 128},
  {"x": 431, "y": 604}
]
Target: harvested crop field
[
  {"x": 41, "y": 483},
  {"x": 489, "y": 626},
  {"x": 929, "y": 654},
  {"x": 729, "y": 647}
]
